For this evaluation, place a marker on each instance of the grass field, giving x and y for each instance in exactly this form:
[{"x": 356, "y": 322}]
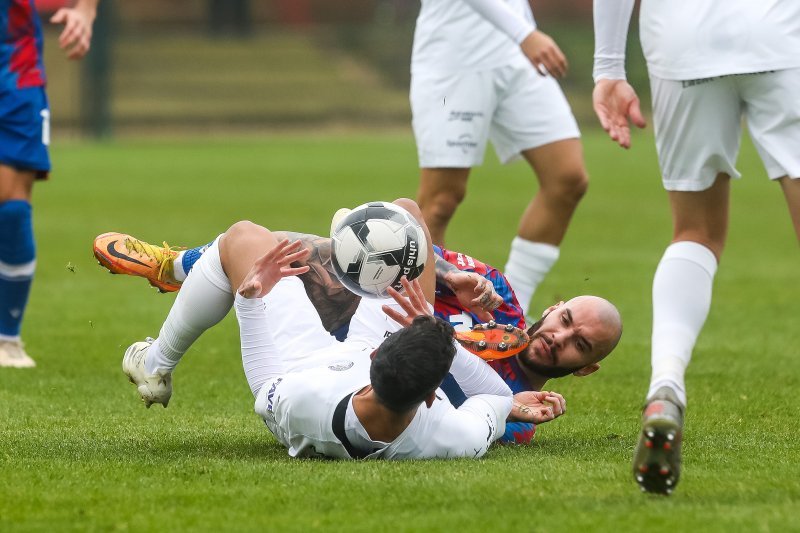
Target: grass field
[{"x": 78, "y": 451}]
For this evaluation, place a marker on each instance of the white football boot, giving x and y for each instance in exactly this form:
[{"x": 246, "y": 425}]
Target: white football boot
[
  {"x": 153, "y": 388},
  {"x": 12, "y": 355}
]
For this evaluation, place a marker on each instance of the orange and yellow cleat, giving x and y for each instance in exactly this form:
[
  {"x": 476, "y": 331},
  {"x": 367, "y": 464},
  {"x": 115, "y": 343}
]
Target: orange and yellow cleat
[{"x": 123, "y": 254}]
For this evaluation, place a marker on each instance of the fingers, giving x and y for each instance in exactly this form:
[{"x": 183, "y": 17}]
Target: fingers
[
  {"x": 557, "y": 402},
  {"x": 77, "y": 34},
  {"x": 635, "y": 112},
  {"x": 403, "y": 320},
  {"x": 554, "y": 62},
  {"x": 250, "y": 288}
]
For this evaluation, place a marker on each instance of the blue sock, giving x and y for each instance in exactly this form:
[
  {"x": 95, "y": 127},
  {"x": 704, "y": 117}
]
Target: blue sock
[
  {"x": 190, "y": 257},
  {"x": 17, "y": 263}
]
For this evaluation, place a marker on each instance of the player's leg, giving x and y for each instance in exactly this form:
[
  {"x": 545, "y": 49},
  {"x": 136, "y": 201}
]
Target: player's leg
[
  {"x": 204, "y": 299},
  {"x": 428, "y": 277},
  {"x": 451, "y": 117},
  {"x": 697, "y": 136},
  {"x": 773, "y": 120},
  {"x": 17, "y": 262},
  {"x": 791, "y": 191},
  {"x": 441, "y": 191},
  {"x": 24, "y": 136},
  {"x": 534, "y": 120},
  {"x": 562, "y": 183}
]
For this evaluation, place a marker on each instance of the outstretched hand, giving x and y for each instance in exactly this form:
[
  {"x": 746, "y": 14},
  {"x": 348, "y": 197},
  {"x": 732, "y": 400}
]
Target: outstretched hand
[
  {"x": 615, "y": 103},
  {"x": 76, "y": 38},
  {"x": 413, "y": 302},
  {"x": 268, "y": 270},
  {"x": 537, "y": 407},
  {"x": 475, "y": 293}
]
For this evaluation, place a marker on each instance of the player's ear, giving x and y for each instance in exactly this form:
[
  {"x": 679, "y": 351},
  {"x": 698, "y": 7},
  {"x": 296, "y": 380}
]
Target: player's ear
[
  {"x": 372, "y": 355},
  {"x": 430, "y": 399},
  {"x": 588, "y": 369},
  {"x": 552, "y": 308}
]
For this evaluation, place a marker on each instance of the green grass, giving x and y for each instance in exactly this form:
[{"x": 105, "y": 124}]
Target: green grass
[{"x": 79, "y": 452}]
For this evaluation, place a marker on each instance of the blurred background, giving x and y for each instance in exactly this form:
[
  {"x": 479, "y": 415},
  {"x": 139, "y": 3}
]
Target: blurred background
[{"x": 248, "y": 66}]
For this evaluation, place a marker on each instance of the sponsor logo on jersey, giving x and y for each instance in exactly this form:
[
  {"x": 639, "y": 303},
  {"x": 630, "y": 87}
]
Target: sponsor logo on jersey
[
  {"x": 271, "y": 393},
  {"x": 340, "y": 366}
]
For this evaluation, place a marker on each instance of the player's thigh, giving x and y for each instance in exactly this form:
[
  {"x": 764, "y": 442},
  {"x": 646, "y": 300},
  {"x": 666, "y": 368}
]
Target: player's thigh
[
  {"x": 773, "y": 119},
  {"x": 25, "y": 130},
  {"x": 532, "y": 112},
  {"x": 698, "y": 130},
  {"x": 15, "y": 184},
  {"x": 294, "y": 324},
  {"x": 451, "y": 117}
]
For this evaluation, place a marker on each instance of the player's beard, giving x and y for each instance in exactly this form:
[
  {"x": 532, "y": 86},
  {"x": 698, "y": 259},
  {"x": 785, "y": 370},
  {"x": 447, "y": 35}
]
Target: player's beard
[{"x": 548, "y": 371}]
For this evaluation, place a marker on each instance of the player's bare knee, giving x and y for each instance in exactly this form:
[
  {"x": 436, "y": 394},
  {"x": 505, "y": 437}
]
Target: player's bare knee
[
  {"x": 568, "y": 188},
  {"x": 242, "y": 234},
  {"x": 411, "y": 206}
]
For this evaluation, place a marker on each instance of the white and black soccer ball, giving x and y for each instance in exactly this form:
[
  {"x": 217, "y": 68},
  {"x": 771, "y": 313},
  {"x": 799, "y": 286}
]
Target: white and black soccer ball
[{"x": 375, "y": 245}]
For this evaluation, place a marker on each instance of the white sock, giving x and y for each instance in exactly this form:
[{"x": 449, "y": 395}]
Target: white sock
[
  {"x": 681, "y": 300},
  {"x": 528, "y": 264},
  {"x": 177, "y": 267},
  {"x": 204, "y": 299}
]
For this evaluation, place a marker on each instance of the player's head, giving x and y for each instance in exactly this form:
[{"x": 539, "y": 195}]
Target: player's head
[
  {"x": 409, "y": 365},
  {"x": 573, "y": 337}
]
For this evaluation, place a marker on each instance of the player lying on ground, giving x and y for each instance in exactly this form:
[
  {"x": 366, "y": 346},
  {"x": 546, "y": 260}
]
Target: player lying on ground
[
  {"x": 373, "y": 395},
  {"x": 466, "y": 291}
]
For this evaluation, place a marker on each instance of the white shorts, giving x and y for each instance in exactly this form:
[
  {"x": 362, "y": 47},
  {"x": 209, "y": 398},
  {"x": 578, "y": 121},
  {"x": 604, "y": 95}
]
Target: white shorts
[
  {"x": 516, "y": 108},
  {"x": 698, "y": 126},
  {"x": 297, "y": 329}
]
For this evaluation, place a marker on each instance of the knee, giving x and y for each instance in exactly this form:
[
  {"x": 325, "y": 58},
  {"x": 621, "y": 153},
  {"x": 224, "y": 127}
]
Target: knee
[
  {"x": 243, "y": 231},
  {"x": 567, "y": 187},
  {"x": 411, "y": 206},
  {"x": 442, "y": 205}
]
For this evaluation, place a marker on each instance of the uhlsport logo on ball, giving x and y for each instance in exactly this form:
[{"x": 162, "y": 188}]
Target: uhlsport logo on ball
[{"x": 375, "y": 245}]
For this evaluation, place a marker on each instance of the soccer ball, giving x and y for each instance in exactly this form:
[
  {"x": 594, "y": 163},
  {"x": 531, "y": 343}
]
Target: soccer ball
[{"x": 375, "y": 245}]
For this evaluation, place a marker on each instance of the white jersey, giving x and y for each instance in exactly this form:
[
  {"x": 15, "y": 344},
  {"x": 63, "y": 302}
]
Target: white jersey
[
  {"x": 299, "y": 404},
  {"x": 469, "y": 35},
  {"x": 300, "y": 409},
  {"x": 700, "y": 39}
]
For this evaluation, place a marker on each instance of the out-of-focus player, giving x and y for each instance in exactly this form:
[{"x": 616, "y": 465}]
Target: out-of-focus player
[
  {"x": 480, "y": 71},
  {"x": 24, "y": 138},
  {"x": 712, "y": 63}
]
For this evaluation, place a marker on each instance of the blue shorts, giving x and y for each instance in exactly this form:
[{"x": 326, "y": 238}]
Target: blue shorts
[{"x": 25, "y": 129}]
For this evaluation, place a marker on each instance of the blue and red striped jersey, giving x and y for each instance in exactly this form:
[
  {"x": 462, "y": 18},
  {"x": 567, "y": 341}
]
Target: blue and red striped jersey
[
  {"x": 448, "y": 308},
  {"x": 21, "y": 45}
]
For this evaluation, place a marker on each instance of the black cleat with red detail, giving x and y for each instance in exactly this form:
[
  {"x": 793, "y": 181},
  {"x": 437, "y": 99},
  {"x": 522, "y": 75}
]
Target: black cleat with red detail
[{"x": 657, "y": 459}]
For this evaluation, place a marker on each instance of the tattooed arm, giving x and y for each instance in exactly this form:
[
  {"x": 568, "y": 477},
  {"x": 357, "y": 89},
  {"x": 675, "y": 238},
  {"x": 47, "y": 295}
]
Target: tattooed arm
[
  {"x": 334, "y": 303},
  {"x": 475, "y": 293}
]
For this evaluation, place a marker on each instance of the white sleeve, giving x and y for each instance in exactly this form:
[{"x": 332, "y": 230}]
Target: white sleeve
[
  {"x": 474, "y": 376},
  {"x": 469, "y": 430},
  {"x": 261, "y": 357},
  {"x": 611, "y": 20},
  {"x": 504, "y": 18}
]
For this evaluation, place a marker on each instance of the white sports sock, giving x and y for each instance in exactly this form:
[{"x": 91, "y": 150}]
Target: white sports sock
[
  {"x": 528, "y": 264},
  {"x": 177, "y": 267},
  {"x": 681, "y": 300},
  {"x": 204, "y": 299}
]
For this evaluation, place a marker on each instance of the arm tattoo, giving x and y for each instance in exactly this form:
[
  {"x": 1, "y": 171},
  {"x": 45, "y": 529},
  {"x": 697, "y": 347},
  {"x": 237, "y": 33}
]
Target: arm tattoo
[
  {"x": 334, "y": 303},
  {"x": 443, "y": 268}
]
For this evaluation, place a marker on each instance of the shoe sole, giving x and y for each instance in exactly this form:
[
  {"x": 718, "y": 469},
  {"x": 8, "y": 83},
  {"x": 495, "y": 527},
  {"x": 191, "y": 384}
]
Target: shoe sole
[{"x": 656, "y": 464}]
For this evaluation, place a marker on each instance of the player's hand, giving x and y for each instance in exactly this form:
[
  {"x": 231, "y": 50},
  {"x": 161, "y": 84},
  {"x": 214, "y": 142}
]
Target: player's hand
[
  {"x": 413, "y": 302},
  {"x": 615, "y": 103},
  {"x": 544, "y": 54},
  {"x": 268, "y": 270},
  {"x": 475, "y": 293},
  {"x": 537, "y": 407},
  {"x": 76, "y": 38}
]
